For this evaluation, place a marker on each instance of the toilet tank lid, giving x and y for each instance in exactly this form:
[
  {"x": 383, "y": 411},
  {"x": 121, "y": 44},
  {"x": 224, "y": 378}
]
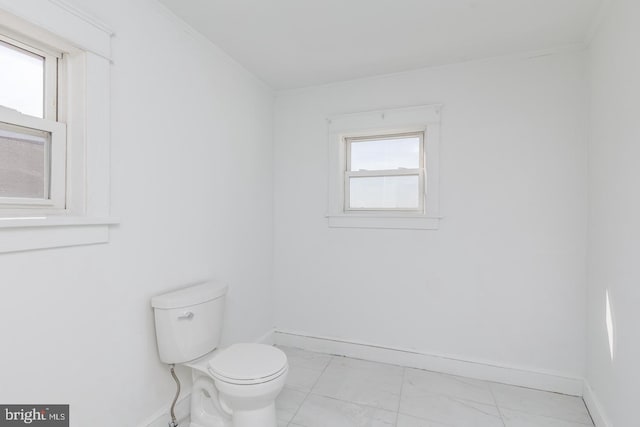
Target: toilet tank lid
[{"x": 190, "y": 295}]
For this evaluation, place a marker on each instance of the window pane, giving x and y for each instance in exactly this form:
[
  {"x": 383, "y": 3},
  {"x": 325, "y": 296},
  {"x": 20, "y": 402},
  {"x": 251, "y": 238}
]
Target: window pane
[
  {"x": 21, "y": 80},
  {"x": 385, "y": 154},
  {"x": 401, "y": 192},
  {"x": 24, "y": 154}
]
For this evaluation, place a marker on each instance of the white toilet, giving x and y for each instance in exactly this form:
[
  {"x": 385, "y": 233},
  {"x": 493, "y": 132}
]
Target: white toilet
[{"x": 232, "y": 387}]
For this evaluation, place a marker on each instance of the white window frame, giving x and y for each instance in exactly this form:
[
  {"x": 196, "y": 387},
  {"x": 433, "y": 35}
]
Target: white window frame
[
  {"x": 343, "y": 128},
  {"x": 419, "y": 172},
  {"x": 55, "y": 166},
  {"x": 84, "y": 77}
]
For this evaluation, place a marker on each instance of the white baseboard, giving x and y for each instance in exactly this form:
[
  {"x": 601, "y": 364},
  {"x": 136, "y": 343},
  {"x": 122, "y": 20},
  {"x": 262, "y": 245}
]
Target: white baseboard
[
  {"x": 595, "y": 408},
  {"x": 540, "y": 380}
]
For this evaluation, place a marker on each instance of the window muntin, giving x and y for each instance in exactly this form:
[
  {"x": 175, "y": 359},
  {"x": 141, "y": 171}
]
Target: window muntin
[
  {"x": 385, "y": 172},
  {"x": 32, "y": 141}
]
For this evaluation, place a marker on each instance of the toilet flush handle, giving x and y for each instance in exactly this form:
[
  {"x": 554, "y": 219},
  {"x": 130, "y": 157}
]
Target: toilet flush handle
[{"x": 188, "y": 315}]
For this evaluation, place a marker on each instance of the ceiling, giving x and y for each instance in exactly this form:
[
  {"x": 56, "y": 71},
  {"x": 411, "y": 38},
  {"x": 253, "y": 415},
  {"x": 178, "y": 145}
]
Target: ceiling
[{"x": 298, "y": 43}]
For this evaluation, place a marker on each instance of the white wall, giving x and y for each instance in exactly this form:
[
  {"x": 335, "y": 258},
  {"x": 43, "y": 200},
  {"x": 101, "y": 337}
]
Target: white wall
[
  {"x": 614, "y": 209},
  {"x": 192, "y": 183},
  {"x": 503, "y": 279}
]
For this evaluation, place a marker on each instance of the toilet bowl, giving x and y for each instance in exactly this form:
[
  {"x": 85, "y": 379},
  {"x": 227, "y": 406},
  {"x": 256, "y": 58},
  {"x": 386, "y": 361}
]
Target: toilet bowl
[{"x": 232, "y": 387}]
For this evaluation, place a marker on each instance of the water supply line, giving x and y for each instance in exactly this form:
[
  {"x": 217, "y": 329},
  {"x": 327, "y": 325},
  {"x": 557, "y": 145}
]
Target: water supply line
[{"x": 174, "y": 421}]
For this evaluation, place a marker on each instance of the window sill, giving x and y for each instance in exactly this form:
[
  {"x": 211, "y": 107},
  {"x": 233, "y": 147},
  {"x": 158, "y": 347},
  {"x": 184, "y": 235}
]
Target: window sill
[
  {"x": 404, "y": 222},
  {"x": 32, "y": 233}
]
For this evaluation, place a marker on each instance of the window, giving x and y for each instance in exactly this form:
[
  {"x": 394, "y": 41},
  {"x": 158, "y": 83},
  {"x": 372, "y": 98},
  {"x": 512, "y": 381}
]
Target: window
[
  {"x": 383, "y": 169},
  {"x": 385, "y": 172},
  {"x": 32, "y": 141},
  {"x": 54, "y": 127}
]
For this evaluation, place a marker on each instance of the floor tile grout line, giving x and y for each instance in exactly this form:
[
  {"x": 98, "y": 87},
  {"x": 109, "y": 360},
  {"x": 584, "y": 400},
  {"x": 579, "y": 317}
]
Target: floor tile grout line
[
  {"x": 593, "y": 423},
  {"x": 364, "y": 405},
  {"x": 538, "y": 415},
  {"x": 350, "y": 402},
  {"x": 331, "y": 357},
  {"x": 404, "y": 372},
  {"x": 495, "y": 401},
  {"x": 548, "y": 417},
  {"x": 457, "y": 397},
  {"x": 404, "y": 369}
]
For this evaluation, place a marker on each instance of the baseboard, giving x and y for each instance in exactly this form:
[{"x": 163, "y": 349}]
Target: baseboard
[
  {"x": 548, "y": 381},
  {"x": 162, "y": 417},
  {"x": 594, "y": 406}
]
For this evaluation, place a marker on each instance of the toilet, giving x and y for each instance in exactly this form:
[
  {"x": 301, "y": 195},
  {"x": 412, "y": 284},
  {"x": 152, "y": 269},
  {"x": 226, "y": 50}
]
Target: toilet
[{"x": 232, "y": 387}]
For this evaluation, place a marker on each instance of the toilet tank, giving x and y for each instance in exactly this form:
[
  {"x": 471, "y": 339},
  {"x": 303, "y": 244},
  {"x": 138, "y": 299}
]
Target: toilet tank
[{"x": 189, "y": 321}]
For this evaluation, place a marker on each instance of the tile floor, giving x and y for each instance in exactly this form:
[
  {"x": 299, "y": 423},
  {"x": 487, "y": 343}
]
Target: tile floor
[{"x": 332, "y": 391}]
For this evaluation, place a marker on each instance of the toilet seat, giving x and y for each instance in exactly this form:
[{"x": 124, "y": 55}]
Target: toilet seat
[{"x": 247, "y": 363}]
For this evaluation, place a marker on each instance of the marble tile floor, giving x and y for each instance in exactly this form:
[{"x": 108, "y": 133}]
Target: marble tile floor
[{"x": 334, "y": 391}]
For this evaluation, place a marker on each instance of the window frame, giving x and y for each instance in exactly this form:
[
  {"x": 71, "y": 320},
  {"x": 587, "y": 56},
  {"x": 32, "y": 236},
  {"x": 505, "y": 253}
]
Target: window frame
[
  {"x": 382, "y": 173},
  {"x": 56, "y": 162},
  {"x": 426, "y": 119},
  {"x": 84, "y": 77}
]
